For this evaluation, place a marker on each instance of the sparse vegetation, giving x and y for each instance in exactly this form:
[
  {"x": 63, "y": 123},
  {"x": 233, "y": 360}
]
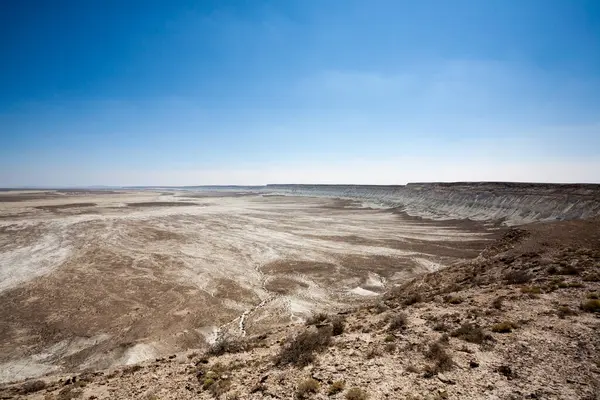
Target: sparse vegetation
[
  {"x": 336, "y": 387},
  {"x": 591, "y": 305},
  {"x": 69, "y": 393},
  {"x": 503, "y": 327},
  {"x": 373, "y": 352},
  {"x": 317, "y": 319},
  {"x": 442, "y": 360},
  {"x": 531, "y": 290},
  {"x": 453, "y": 299},
  {"x": 397, "y": 322},
  {"x": 389, "y": 338},
  {"x": 471, "y": 333},
  {"x": 306, "y": 388},
  {"x": 498, "y": 302},
  {"x": 227, "y": 344},
  {"x": 441, "y": 327},
  {"x": 380, "y": 307},
  {"x": 517, "y": 277},
  {"x": 592, "y": 277},
  {"x": 565, "y": 311},
  {"x": 356, "y": 393},
  {"x": 413, "y": 299},
  {"x": 390, "y": 347},
  {"x": 300, "y": 351},
  {"x": 33, "y": 386},
  {"x": 338, "y": 325}
]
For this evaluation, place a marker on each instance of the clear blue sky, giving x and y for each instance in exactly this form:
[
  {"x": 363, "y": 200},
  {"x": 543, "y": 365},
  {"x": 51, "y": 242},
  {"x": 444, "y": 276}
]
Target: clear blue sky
[{"x": 249, "y": 92}]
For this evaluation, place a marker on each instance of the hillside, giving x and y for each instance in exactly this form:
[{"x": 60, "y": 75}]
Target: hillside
[
  {"x": 507, "y": 202},
  {"x": 519, "y": 321}
]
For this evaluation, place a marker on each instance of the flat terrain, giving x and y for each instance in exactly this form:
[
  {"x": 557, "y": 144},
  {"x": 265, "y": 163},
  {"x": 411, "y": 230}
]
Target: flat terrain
[{"x": 94, "y": 279}]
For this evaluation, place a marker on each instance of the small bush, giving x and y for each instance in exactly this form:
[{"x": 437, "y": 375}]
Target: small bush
[
  {"x": 441, "y": 327},
  {"x": 503, "y": 327},
  {"x": 300, "y": 351},
  {"x": 453, "y": 299},
  {"x": 356, "y": 393},
  {"x": 413, "y": 299},
  {"x": 69, "y": 393},
  {"x": 471, "y": 333},
  {"x": 398, "y": 322},
  {"x": 498, "y": 302},
  {"x": 373, "y": 352},
  {"x": 389, "y": 338},
  {"x": 564, "y": 311},
  {"x": 317, "y": 319},
  {"x": 569, "y": 270},
  {"x": 517, "y": 277},
  {"x": 390, "y": 347},
  {"x": 443, "y": 360},
  {"x": 380, "y": 308},
  {"x": 593, "y": 277},
  {"x": 33, "y": 386},
  {"x": 306, "y": 388},
  {"x": 531, "y": 290},
  {"x": 338, "y": 325},
  {"x": 227, "y": 344},
  {"x": 592, "y": 305},
  {"x": 336, "y": 387}
]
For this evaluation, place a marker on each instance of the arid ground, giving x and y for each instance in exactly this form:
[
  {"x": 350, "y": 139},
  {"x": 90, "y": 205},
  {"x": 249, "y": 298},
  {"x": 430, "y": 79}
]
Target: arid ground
[{"x": 93, "y": 279}]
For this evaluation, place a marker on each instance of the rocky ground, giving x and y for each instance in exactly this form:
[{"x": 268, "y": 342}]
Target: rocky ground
[{"x": 520, "y": 321}]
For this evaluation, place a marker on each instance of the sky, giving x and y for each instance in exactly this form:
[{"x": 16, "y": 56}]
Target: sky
[{"x": 147, "y": 92}]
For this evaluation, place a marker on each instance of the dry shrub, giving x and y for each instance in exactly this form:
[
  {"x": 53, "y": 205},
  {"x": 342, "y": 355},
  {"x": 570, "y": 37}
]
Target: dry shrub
[
  {"x": 227, "y": 344},
  {"x": 569, "y": 270},
  {"x": 591, "y": 305},
  {"x": 338, "y": 325},
  {"x": 441, "y": 327},
  {"x": 412, "y": 299},
  {"x": 335, "y": 388},
  {"x": 531, "y": 290},
  {"x": 390, "y": 347},
  {"x": 517, "y": 277},
  {"x": 443, "y": 361},
  {"x": 504, "y": 327},
  {"x": 373, "y": 352},
  {"x": 389, "y": 338},
  {"x": 397, "y": 322},
  {"x": 592, "y": 277},
  {"x": 356, "y": 393},
  {"x": 453, "y": 299},
  {"x": 300, "y": 351},
  {"x": 306, "y": 388},
  {"x": 471, "y": 333},
  {"x": 69, "y": 393},
  {"x": 317, "y": 319},
  {"x": 565, "y": 311},
  {"x": 380, "y": 307},
  {"x": 33, "y": 386},
  {"x": 498, "y": 302}
]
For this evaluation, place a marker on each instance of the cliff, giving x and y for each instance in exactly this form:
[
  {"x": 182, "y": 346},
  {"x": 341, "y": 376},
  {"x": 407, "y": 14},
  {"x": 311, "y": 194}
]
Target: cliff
[{"x": 511, "y": 203}]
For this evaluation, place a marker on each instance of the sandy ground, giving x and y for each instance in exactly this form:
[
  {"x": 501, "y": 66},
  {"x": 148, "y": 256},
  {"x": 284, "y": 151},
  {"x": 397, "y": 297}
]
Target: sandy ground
[{"x": 92, "y": 279}]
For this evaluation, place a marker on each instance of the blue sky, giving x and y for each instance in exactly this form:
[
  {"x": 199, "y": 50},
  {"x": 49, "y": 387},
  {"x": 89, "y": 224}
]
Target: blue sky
[{"x": 252, "y": 92}]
